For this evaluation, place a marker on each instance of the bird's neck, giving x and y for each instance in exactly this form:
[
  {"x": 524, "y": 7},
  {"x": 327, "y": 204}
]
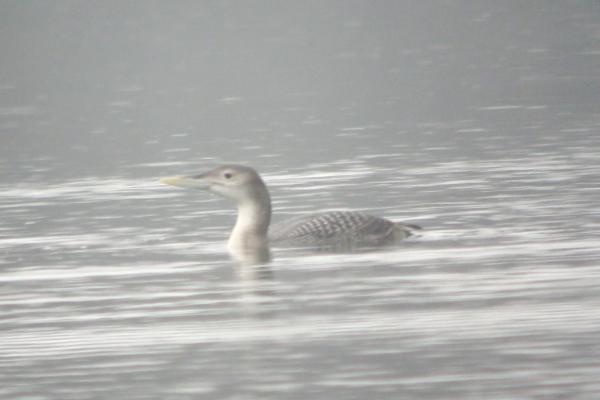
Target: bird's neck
[{"x": 249, "y": 236}]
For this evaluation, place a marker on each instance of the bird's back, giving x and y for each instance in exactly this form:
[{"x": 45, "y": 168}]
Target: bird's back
[{"x": 339, "y": 230}]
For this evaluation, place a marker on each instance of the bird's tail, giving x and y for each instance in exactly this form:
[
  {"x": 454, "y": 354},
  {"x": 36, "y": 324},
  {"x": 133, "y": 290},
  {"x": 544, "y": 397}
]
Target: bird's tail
[{"x": 403, "y": 230}]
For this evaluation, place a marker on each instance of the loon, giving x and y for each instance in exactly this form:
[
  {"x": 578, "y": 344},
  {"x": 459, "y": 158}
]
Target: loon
[{"x": 250, "y": 238}]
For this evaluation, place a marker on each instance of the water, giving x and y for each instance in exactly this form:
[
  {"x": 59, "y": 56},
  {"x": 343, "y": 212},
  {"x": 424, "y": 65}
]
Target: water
[{"x": 113, "y": 285}]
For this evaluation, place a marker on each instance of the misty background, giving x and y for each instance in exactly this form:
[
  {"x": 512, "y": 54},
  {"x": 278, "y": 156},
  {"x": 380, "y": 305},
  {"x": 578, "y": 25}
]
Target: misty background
[
  {"x": 477, "y": 120},
  {"x": 93, "y": 87}
]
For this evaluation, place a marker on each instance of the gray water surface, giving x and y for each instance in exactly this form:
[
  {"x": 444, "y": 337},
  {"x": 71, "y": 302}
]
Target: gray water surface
[{"x": 478, "y": 122}]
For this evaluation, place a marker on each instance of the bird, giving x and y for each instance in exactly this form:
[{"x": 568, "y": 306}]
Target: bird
[{"x": 252, "y": 234}]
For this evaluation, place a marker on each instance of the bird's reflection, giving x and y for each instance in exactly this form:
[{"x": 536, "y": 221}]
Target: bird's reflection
[
  {"x": 258, "y": 295},
  {"x": 254, "y": 273}
]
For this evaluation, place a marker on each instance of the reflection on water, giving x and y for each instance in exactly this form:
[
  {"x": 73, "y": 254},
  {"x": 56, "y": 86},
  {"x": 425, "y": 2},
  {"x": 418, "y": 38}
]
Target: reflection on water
[{"x": 498, "y": 292}]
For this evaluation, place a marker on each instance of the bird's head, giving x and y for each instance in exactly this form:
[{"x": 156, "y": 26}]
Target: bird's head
[{"x": 236, "y": 182}]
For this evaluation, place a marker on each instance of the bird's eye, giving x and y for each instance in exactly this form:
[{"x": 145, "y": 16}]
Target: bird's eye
[{"x": 227, "y": 175}]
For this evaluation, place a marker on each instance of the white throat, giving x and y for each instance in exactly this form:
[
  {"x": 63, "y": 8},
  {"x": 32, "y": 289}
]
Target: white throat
[{"x": 248, "y": 239}]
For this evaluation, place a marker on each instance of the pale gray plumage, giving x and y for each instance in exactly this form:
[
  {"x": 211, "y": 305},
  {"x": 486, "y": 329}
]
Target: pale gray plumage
[
  {"x": 336, "y": 230},
  {"x": 339, "y": 229}
]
